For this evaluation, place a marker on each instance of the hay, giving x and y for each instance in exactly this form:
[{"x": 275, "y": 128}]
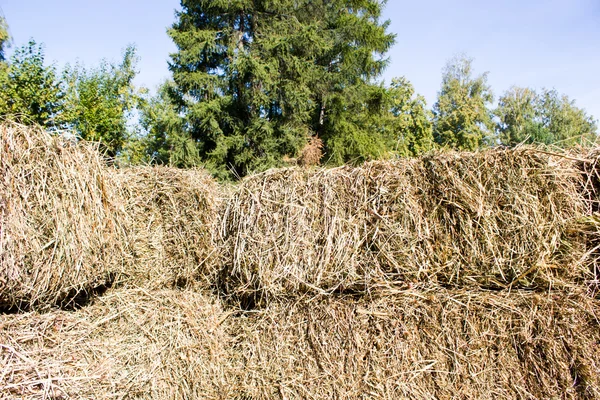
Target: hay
[
  {"x": 59, "y": 237},
  {"x": 129, "y": 344},
  {"x": 170, "y": 217},
  {"x": 296, "y": 230},
  {"x": 436, "y": 344},
  {"x": 496, "y": 218}
]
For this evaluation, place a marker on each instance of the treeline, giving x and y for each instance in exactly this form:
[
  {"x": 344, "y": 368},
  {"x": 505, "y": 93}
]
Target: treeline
[{"x": 259, "y": 84}]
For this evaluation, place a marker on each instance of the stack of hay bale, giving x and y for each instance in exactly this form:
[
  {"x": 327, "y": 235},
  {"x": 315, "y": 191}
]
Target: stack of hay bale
[
  {"x": 454, "y": 275},
  {"x": 104, "y": 276}
]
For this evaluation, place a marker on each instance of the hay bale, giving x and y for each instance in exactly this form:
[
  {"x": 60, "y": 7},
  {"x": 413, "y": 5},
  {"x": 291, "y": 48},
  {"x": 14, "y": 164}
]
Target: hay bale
[
  {"x": 495, "y": 218},
  {"x": 59, "y": 237},
  {"x": 131, "y": 344},
  {"x": 297, "y": 230},
  {"x": 415, "y": 344},
  {"x": 170, "y": 216}
]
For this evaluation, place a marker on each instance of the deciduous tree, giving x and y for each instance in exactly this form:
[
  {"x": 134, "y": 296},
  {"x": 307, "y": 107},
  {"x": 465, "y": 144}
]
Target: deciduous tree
[{"x": 462, "y": 118}]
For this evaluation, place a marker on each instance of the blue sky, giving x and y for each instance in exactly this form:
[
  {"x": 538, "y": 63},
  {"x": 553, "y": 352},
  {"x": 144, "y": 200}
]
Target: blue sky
[{"x": 532, "y": 43}]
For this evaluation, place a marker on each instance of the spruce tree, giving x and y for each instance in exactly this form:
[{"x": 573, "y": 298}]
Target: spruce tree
[{"x": 257, "y": 79}]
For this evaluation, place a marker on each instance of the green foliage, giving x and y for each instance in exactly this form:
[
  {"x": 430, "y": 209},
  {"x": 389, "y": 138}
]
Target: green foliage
[
  {"x": 98, "y": 102},
  {"x": 462, "y": 119},
  {"x": 525, "y": 116},
  {"x": 4, "y": 38},
  {"x": 166, "y": 139},
  {"x": 412, "y": 121},
  {"x": 29, "y": 90},
  {"x": 384, "y": 122},
  {"x": 516, "y": 114},
  {"x": 256, "y": 79}
]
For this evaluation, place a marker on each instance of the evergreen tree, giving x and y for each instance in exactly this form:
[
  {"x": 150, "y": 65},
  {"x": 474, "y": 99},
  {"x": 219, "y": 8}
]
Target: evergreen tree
[
  {"x": 462, "y": 119},
  {"x": 257, "y": 79},
  {"x": 166, "y": 140}
]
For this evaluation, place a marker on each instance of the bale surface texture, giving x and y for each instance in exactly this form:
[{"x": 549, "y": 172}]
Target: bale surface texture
[
  {"x": 59, "y": 234},
  {"x": 424, "y": 345},
  {"x": 169, "y": 218},
  {"x": 130, "y": 344},
  {"x": 492, "y": 219}
]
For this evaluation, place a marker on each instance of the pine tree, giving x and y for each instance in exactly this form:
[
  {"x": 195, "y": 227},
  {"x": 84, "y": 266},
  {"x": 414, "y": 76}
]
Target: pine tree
[{"x": 257, "y": 79}]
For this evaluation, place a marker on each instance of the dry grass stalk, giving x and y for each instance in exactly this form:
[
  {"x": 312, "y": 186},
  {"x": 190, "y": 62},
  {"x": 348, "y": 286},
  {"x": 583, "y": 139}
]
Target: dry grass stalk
[
  {"x": 424, "y": 345},
  {"x": 496, "y": 218},
  {"x": 295, "y": 230},
  {"x": 170, "y": 217},
  {"x": 59, "y": 237},
  {"x": 312, "y": 153},
  {"x": 130, "y": 344}
]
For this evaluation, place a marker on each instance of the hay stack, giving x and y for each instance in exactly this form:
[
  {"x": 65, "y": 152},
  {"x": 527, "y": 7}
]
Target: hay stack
[
  {"x": 496, "y": 218},
  {"x": 59, "y": 234},
  {"x": 170, "y": 216},
  {"x": 129, "y": 344},
  {"x": 436, "y": 344}
]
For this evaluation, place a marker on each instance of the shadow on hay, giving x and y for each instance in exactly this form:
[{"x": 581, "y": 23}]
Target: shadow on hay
[{"x": 71, "y": 300}]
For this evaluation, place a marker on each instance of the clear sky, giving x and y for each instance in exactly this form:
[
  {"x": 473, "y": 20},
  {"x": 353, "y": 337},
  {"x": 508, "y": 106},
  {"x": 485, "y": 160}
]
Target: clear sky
[{"x": 531, "y": 43}]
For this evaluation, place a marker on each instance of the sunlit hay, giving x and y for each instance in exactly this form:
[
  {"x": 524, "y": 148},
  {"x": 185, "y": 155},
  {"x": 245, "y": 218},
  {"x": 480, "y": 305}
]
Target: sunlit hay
[
  {"x": 415, "y": 344},
  {"x": 59, "y": 234},
  {"x": 132, "y": 344},
  {"x": 496, "y": 218},
  {"x": 296, "y": 230},
  {"x": 170, "y": 215}
]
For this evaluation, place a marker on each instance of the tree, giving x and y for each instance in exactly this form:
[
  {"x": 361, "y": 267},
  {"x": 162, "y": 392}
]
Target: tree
[
  {"x": 412, "y": 127},
  {"x": 462, "y": 119},
  {"x": 29, "y": 90},
  {"x": 166, "y": 140},
  {"x": 99, "y": 101},
  {"x": 4, "y": 38},
  {"x": 256, "y": 80},
  {"x": 384, "y": 122},
  {"x": 516, "y": 114},
  {"x": 525, "y": 116}
]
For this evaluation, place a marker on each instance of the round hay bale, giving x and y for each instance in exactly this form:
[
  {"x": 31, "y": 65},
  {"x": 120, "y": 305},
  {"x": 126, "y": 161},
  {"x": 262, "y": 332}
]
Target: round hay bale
[{"x": 59, "y": 234}]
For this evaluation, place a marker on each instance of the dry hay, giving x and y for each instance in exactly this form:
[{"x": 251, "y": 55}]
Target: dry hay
[
  {"x": 130, "y": 344},
  {"x": 496, "y": 218},
  {"x": 58, "y": 231},
  {"x": 170, "y": 215},
  {"x": 424, "y": 345},
  {"x": 296, "y": 230}
]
